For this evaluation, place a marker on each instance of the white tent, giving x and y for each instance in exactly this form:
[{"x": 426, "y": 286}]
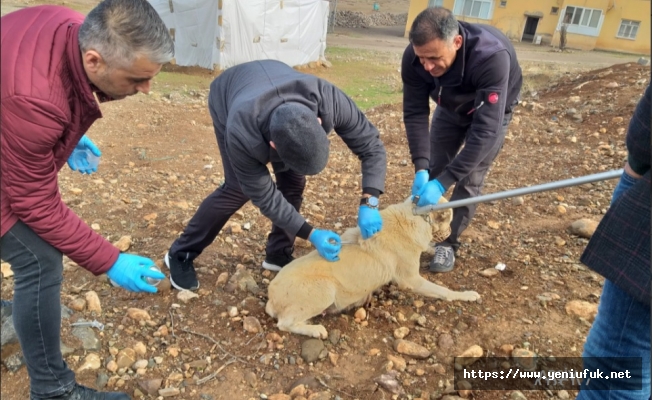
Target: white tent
[{"x": 222, "y": 33}]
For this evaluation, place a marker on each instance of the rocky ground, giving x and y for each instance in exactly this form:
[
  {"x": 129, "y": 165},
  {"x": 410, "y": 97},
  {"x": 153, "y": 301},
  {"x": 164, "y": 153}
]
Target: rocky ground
[{"x": 160, "y": 160}]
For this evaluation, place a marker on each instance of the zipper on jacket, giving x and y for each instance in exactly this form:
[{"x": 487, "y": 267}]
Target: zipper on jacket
[{"x": 439, "y": 95}]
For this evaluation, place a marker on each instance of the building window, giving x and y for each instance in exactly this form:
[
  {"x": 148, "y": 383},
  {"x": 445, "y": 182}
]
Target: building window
[
  {"x": 628, "y": 29},
  {"x": 481, "y": 9},
  {"x": 579, "y": 16},
  {"x": 435, "y": 3},
  {"x": 554, "y": 10},
  {"x": 503, "y": 3}
]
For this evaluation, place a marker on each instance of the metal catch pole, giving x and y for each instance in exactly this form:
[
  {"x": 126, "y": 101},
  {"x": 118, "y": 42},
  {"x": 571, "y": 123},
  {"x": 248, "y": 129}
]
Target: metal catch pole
[{"x": 603, "y": 176}]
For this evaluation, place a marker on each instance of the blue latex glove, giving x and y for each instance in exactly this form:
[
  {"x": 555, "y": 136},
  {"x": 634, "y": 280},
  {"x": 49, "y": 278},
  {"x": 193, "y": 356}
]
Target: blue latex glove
[
  {"x": 420, "y": 180},
  {"x": 327, "y": 243},
  {"x": 431, "y": 193},
  {"x": 82, "y": 165},
  {"x": 369, "y": 221},
  {"x": 626, "y": 181},
  {"x": 130, "y": 271}
]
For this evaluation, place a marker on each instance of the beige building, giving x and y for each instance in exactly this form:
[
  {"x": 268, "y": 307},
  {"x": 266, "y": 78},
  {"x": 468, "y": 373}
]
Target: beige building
[{"x": 615, "y": 25}]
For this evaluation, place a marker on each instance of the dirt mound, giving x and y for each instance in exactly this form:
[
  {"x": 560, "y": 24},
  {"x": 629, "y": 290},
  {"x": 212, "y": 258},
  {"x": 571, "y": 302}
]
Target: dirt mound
[{"x": 356, "y": 19}]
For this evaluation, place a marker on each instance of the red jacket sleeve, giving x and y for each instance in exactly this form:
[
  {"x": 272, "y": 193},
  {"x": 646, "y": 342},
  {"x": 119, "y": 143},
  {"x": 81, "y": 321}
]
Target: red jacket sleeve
[{"x": 31, "y": 128}]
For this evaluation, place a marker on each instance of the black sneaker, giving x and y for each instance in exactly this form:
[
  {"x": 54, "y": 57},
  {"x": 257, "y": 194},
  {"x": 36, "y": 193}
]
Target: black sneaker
[
  {"x": 444, "y": 259},
  {"x": 182, "y": 272},
  {"x": 274, "y": 262},
  {"x": 80, "y": 392}
]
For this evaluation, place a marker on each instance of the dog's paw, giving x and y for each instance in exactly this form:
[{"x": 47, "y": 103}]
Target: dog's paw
[
  {"x": 321, "y": 331},
  {"x": 469, "y": 296}
]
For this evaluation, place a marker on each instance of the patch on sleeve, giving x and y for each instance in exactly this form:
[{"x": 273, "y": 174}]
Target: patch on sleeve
[{"x": 492, "y": 98}]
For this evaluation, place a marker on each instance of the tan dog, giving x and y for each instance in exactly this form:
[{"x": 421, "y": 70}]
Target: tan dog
[{"x": 310, "y": 285}]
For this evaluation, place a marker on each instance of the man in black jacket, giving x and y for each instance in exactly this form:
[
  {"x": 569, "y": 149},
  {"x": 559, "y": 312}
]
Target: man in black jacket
[
  {"x": 471, "y": 72},
  {"x": 267, "y": 112}
]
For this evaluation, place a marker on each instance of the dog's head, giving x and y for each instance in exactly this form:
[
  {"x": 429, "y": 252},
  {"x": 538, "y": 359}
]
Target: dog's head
[{"x": 440, "y": 221}]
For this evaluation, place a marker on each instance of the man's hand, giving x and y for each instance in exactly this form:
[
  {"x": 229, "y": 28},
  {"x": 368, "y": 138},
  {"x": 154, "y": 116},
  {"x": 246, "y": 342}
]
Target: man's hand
[
  {"x": 327, "y": 243},
  {"x": 420, "y": 180},
  {"x": 80, "y": 163},
  {"x": 130, "y": 272},
  {"x": 369, "y": 221},
  {"x": 431, "y": 193}
]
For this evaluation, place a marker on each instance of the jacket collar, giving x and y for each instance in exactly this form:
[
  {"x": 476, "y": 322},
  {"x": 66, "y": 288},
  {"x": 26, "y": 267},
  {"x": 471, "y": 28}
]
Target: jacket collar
[{"x": 81, "y": 84}]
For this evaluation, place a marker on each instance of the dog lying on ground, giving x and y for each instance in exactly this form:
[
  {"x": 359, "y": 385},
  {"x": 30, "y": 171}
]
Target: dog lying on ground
[{"x": 310, "y": 285}]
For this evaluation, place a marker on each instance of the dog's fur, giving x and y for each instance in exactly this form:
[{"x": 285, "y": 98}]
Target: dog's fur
[{"x": 310, "y": 285}]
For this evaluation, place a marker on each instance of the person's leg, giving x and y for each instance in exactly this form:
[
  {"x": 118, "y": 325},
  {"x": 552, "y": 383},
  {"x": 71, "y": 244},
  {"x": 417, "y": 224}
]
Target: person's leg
[
  {"x": 471, "y": 186},
  {"x": 280, "y": 244},
  {"x": 38, "y": 269},
  {"x": 447, "y": 135},
  {"x": 621, "y": 329},
  {"x": 205, "y": 225}
]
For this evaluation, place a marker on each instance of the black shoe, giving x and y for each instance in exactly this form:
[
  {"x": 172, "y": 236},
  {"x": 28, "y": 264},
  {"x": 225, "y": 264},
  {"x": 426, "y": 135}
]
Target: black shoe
[
  {"x": 274, "y": 262},
  {"x": 80, "y": 392},
  {"x": 444, "y": 260},
  {"x": 182, "y": 272}
]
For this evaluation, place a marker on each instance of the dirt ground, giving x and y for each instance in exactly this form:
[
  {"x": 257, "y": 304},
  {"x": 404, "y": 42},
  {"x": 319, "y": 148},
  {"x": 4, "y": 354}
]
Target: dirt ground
[{"x": 160, "y": 160}]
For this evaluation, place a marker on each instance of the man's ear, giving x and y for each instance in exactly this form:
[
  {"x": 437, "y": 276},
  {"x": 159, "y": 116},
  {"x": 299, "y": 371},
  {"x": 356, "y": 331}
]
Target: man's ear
[
  {"x": 93, "y": 61},
  {"x": 457, "y": 42}
]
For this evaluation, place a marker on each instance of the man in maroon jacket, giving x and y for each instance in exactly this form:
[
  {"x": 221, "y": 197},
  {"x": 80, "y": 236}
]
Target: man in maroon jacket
[{"x": 56, "y": 68}]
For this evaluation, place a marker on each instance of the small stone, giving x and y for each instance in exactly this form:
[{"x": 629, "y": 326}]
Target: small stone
[
  {"x": 559, "y": 241},
  {"x": 360, "y": 315},
  {"x": 507, "y": 349},
  {"x": 78, "y": 304},
  {"x": 112, "y": 366},
  {"x": 311, "y": 350},
  {"x": 584, "y": 228},
  {"x": 93, "y": 302},
  {"x": 517, "y": 395},
  {"x": 126, "y": 358},
  {"x": 138, "y": 314},
  {"x": 470, "y": 355},
  {"x": 6, "y": 270},
  {"x": 402, "y": 332},
  {"x": 236, "y": 228},
  {"x": 411, "y": 349},
  {"x": 489, "y": 272},
  {"x": 399, "y": 362},
  {"x": 124, "y": 243},
  {"x": 232, "y": 311},
  {"x": 151, "y": 386},
  {"x": 169, "y": 392},
  {"x": 139, "y": 364},
  {"x": 251, "y": 325},
  {"x": 525, "y": 359},
  {"x": 333, "y": 358},
  {"x": 563, "y": 395},
  {"x": 223, "y": 278},
  {"x": 186, "y": 295},
  {"x": 299, "y": 390},
  {"x": 140, "y": 348},
  {"x": 374, "y": 352},
  {"x": 518, "y": 201},
  {"x": 334, "y": 336},
  {"x": 561, "y": 209},
  {"x": 582, "y": 309},
  {"x": 91, "y": 362}
]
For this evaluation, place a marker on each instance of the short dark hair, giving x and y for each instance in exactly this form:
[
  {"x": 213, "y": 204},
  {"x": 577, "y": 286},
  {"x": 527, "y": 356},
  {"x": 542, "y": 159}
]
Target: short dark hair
[
  {"x": 121, "y": 30},
  {"x": 433, "y": 23}
]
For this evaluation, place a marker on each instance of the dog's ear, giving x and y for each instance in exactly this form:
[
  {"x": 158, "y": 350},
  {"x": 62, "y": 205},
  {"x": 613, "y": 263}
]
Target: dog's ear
[{"x": 440, "y": 221}]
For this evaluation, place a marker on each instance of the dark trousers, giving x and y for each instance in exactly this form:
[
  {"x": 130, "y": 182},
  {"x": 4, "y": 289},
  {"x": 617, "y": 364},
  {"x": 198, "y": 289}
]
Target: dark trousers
[
  {"x": 447, "y": 135},
  {"x": 38, "y": 272},
  {"x": 219, "y": 206}
]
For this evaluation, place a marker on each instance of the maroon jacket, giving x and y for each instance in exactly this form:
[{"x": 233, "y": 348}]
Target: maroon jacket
[{"x": 47, "y": 105}]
